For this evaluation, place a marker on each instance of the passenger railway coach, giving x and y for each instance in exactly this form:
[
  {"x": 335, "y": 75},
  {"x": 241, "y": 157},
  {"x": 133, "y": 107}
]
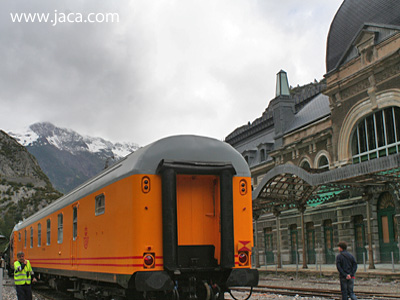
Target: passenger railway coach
[{"x": 171, "y": 220}]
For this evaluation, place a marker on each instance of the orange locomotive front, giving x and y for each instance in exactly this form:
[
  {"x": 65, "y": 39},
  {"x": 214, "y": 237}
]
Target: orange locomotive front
[{"x": 173, "y": 219}]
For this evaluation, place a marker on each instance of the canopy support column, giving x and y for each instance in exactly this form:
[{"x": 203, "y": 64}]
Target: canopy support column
[
  {"x": 278, "y": 239},
  {"x": 303, "y": 235},
  {"x": 369, "y": 230}
]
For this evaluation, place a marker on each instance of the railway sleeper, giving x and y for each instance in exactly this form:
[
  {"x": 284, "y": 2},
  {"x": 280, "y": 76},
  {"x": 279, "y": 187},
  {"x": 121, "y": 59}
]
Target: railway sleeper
[{"x": 95, "y": 290}]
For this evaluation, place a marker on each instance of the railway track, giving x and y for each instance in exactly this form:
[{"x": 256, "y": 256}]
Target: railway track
[
  {"x": 314, "y": 292},
  {"x": 45, "y": 292},
  {"x": 39, "y": 291}
]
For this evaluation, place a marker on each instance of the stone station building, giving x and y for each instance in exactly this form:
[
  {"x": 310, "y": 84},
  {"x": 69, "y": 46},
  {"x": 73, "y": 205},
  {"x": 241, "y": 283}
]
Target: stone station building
[{"x": 325, "y": 157}]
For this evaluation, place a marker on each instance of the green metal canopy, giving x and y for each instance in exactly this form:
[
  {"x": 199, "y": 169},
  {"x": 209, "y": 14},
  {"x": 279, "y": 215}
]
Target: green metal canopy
[{"x": 288, "y": 186}]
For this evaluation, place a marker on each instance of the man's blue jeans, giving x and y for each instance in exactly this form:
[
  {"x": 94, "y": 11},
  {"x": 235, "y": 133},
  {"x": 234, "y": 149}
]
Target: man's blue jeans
[{"x": 347, "y": 286}]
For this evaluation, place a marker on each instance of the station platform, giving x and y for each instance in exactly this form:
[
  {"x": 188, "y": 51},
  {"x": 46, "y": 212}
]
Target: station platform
[{"x": 389, "y": 271}]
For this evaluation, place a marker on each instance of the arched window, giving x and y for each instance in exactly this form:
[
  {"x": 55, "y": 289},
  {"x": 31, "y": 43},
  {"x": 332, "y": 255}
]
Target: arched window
[
  {"x": 386, "y": 202},
  {"x": 305, "y": 165},
  {"x": 377, "y": 135},
  {"x": 323, "y": 163}
]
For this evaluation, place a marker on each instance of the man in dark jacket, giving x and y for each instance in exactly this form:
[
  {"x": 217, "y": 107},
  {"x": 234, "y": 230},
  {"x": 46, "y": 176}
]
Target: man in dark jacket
[{"x": 347, "y": 267}]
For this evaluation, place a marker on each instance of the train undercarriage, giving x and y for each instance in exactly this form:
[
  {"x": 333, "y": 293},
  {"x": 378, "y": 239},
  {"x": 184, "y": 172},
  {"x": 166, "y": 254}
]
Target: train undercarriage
[{"x": 202, "y": 285}]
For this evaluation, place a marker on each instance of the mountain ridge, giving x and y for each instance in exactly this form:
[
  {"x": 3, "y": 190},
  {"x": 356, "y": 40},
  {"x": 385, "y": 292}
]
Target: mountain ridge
[
  {"x": 24, "y": 187},
  {"x": 69, "y": 140},
  {"x": 67, "y": 157}
]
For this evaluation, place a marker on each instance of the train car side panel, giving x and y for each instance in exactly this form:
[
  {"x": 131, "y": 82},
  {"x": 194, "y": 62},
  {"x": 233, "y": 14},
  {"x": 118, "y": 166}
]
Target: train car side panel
[{"x": 93, "y": 242}]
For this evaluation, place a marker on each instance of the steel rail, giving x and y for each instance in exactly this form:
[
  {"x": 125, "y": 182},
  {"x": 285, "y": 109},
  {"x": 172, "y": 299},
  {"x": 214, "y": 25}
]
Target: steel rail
[{"x": 307, "y": 292}]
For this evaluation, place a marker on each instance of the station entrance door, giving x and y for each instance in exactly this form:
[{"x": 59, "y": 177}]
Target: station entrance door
[
  {"x": 359, "y": 232},
  {"x": 387, "y": 223},
  {"x": 328, "y": 239},
  {"x": 310, "y": 231}
]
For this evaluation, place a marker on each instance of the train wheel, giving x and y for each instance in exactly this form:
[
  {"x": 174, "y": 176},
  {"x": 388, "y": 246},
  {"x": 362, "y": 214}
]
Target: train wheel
[
  {"x": 173, "y": 295},
  {"x": 204, "y": 291},
  {"x": 241, "y": 298},
  {"x": 220, "y": 295}
]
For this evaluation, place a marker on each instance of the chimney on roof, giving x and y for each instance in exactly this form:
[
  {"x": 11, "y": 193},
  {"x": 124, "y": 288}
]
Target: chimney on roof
[
  {"x": 282, "y": 84},
  {"x": 282, "y": 107}
]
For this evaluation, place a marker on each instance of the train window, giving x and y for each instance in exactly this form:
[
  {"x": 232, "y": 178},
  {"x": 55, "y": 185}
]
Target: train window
[
  {"x": 19, "y": 236},
  {"x": 39, "y": 234},
  {"x": 60, "y": 229},
  {"x": 100, "y": 205},
  {"x": 31, "y": 237},
  {"x": 25, "y": 238},
  {"x": 75, "y": 223},
  {"x": 48, "y": 232}
]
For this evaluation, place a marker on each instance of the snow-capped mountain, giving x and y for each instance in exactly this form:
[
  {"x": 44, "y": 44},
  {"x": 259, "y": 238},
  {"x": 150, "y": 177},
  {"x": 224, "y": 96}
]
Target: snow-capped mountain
[
  {"x": 67, "y": 157},
  {"x": 40, "y": 134}
]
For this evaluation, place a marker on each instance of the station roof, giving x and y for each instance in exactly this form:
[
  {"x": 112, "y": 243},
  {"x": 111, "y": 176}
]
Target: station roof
[
  {"x": 350, "y": 18},
  {"x": 316, "y": 109}
]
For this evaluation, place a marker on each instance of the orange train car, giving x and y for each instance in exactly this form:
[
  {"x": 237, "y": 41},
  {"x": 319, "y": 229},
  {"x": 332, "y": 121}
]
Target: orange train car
[{"x": 171, "y": 220}]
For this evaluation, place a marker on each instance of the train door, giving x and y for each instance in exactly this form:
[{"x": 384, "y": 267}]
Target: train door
[
  {"x": 387, "y": 224},
  {"x": 74, "y": 240},
  {"x": 294, "y": 243},
  {"x": 359, "y": 235},
  {"x": 310, "y": 232},
  {"x": 328, "y": 234},
  {"x": 269, "y": 244},
  {"x": 198, "y": 218}
]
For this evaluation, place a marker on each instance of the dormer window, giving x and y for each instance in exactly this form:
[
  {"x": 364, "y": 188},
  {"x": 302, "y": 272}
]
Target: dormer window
[
  {"x": 263, "y": 149},
  {"x": 262, "y": 155},
  {"x": 249, "y": 156}
]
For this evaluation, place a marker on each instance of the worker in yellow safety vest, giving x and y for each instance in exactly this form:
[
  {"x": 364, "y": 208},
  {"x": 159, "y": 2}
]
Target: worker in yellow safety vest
[{"x": 23, "y": 277}]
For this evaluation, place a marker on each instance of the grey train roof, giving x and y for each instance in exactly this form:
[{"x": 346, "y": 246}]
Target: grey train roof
[
  {"x": 183, "y": 148},
  {"x": 350, "y": 18}
]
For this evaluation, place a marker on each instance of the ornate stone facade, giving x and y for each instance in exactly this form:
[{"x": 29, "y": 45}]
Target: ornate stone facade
[{"x": 350, "y": 117}]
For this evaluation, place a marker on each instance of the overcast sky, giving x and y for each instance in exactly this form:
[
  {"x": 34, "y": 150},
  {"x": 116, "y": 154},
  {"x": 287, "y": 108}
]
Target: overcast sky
[{"x": 167, "y": 67}]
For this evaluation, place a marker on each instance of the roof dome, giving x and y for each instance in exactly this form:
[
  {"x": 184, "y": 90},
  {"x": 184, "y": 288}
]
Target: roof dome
[{"x": 350, "y": 18}]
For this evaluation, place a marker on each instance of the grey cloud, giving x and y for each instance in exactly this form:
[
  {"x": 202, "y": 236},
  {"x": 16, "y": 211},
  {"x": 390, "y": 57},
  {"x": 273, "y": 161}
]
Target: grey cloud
[{"x": 202, "y": 67}]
